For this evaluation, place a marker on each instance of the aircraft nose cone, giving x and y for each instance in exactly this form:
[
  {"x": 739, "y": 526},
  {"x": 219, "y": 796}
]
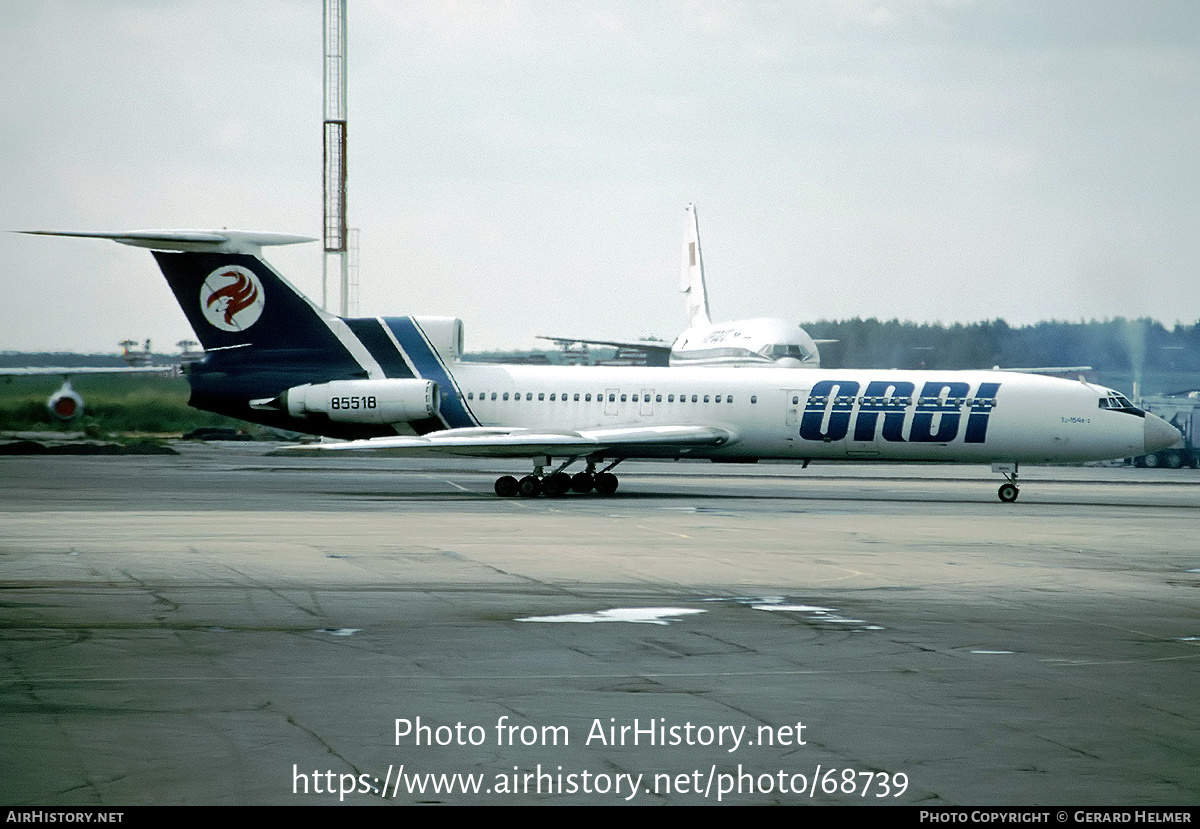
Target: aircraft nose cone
[{"x": 1160, "y": 434}]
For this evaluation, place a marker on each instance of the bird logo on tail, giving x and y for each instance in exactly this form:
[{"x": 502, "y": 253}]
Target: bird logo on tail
[{"x": 231, "y": 298}]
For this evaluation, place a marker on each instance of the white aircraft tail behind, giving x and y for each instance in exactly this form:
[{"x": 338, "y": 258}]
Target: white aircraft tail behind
[{"x": 691, "y": 277}]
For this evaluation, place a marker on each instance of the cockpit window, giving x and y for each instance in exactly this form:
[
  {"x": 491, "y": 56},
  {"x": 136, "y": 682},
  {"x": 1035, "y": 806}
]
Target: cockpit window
[
  {"x": 1120, "y": 403},
  {"x": 776, "y": 351}
]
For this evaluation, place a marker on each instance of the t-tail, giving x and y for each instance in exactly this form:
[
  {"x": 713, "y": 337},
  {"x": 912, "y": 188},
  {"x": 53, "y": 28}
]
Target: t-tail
[
  {"x": 275, "y": 358},
  {"x": 691, "y": 276}
]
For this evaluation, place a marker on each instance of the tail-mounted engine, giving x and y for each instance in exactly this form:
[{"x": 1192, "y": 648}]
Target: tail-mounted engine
[
  {"x": 445, "y": 334},
  {"x": 65, "y": 404},
  {"x": 359, "y": 401}
]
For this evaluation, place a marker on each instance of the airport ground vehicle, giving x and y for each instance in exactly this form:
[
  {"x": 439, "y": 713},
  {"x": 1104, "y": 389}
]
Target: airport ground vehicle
[{"x": 1181, "y": 410}]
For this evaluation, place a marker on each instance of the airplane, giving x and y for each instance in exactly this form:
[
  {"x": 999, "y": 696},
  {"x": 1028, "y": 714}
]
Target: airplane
[
  {"x": 397, "y": 386},
  {"x": 66, "y": 404},
  {"x": 761, "y": 342}
]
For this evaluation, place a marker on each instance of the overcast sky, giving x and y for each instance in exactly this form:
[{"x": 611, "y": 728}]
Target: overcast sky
[{"x": 525, "y": 165}]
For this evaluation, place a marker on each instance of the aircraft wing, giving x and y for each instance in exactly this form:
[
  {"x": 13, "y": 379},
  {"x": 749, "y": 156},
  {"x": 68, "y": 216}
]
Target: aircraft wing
[
  {"x": 71, "y": 371},
  {"x": 503, "y": 442},
  {"x": 649, "y": 346},
  {"x": 1046, "y": 369}
]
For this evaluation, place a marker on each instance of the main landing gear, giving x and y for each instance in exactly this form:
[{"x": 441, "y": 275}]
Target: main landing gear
[
  {"x": 1008, "y": 491},
  {"x": 558, "y": 483}
]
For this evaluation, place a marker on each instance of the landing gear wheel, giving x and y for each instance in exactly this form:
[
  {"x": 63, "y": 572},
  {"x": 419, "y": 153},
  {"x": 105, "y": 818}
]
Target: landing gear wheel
[
  {"x": 582, "y": 483},
  {"x": 1152, "y": 461},
  {"x": 1008, "y": 493},
  {"x": 606, "y": 483},
  {"x": 529, "y": 487},
  {"x": 556, "y": 485},
  {"x": 506, "y": 486}
]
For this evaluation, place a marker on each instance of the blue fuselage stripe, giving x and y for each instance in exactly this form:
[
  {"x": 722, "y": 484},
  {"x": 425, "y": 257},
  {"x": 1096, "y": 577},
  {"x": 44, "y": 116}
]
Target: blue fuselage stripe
[
  {"x": 429, "y": 366},
  {"x": 371, "y": 334}
]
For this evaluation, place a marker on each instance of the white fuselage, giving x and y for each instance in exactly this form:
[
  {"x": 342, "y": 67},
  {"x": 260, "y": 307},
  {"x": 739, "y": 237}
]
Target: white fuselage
[
  {"x": 970, "y": 416},
  {"x": 765, "y": 341},
  {"x": 278, "y": 359}
]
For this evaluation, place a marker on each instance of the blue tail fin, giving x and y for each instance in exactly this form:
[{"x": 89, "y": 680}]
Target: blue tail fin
[
  {"x": 261, "y": 335},
  {"x": 237, "y": 304}
]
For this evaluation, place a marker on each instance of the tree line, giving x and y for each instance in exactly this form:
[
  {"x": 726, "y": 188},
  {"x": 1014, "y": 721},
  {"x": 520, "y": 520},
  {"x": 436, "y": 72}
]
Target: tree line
[{"x": 1118, "y": 345}]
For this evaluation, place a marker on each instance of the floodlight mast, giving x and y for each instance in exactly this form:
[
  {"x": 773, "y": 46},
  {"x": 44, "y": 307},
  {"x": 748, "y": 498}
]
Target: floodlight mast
[{"x": 336, "y": 235}]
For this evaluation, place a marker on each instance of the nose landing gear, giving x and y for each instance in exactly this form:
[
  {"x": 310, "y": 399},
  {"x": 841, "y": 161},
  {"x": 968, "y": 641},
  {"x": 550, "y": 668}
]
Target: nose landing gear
[{"x": 1008, "y": 491}]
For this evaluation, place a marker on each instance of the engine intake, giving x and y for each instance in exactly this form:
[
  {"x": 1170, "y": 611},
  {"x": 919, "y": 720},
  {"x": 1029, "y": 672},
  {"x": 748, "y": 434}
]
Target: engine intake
[{"x": 65, "y": 404}]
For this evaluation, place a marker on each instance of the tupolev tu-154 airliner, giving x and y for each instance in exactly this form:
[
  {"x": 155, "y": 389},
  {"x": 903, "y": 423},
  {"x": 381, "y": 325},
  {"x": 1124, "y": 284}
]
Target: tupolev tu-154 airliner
[{"x": 397, "y": 385}]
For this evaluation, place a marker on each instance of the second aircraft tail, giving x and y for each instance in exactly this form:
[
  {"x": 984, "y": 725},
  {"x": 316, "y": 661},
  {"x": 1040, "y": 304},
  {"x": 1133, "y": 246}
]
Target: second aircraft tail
[{"x": 691, "y": 276}]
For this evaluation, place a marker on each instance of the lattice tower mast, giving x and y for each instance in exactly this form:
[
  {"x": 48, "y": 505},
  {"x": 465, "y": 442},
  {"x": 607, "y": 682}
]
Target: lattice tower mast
[{"x": 337, "y": 262}]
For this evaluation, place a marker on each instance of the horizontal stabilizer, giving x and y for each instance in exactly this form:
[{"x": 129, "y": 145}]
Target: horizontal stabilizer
[{"x": 196, "y": 241}]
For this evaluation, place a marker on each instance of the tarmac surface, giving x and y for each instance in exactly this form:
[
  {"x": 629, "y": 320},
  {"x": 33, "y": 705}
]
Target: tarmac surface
[{"x": 224, "y": 627}]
